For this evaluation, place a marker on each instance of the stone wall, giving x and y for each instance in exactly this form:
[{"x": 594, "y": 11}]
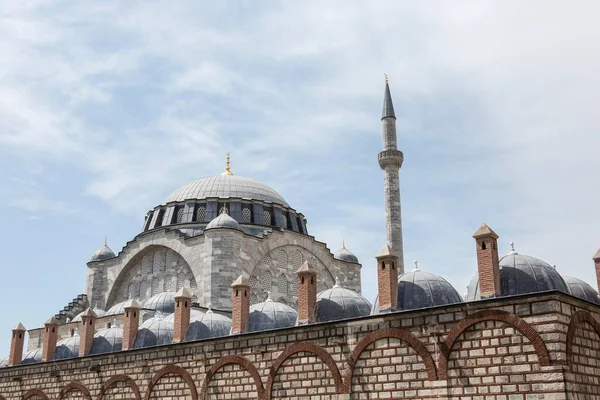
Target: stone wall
[{"x": 528, "y": 347}]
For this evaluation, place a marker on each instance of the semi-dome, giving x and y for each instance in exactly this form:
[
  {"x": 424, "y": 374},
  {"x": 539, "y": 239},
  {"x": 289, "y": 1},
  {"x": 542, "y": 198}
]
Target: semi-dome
[
  {"x": 340, "y": 303},
  {"x": 154, "y": 332},
  {"x": 344, "y": 254},
  {"x": 271, "y": 315},
  {"x": 420, "y": 289},
  {"x": 522, "y": 274},
  {"x": 67, "y": 348},
  {"x": 163, "y": 302},
  {"x": 103, "y": 253},
  {"x": 581, "y": 289},
  {"x": 223, "y": 220},
  {"x": 107, "y": 340},
  {"x": 226, "y": 186},
  {"x": 33, "y": 356},
  {"x": 99, "y": 314},
  {"x": 208, "y": 325}
]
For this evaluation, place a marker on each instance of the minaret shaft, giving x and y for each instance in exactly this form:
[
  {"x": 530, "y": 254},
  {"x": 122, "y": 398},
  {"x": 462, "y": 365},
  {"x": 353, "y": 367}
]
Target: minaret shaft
[{"x": 390, "y": 161}]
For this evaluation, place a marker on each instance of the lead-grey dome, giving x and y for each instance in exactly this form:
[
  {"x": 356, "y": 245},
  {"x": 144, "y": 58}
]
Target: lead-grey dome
[
  {"x": 340, "y": 303},
  {"x": 271, "y": 315},
  {"x": 522, "y": 274},
  {"x": 163, "y": 302},
  {"x": 226, "y": 186},
  {"x": 116, "y": 309},
  {"x": 107, "y": 340},
  {"x": 99, "y": 313},
  {"x": 223, "y": 221},
  {"x": 67, "y": 348},
  {"x": 344, "y": 254},
  {"x": 103, "y": 253},
  {"x": 208, "y": 325},
  {"x": 4, "y": 362},
  {"x": 33, "y": 356},
  {"x": 154, "y": 332},
  {"x": 420, "y": 289},
  {"x": 581, "y": 289}
]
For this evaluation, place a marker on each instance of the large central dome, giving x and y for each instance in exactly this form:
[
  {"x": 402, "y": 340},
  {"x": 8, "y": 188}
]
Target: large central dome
[{"x": 226, "y": 186}]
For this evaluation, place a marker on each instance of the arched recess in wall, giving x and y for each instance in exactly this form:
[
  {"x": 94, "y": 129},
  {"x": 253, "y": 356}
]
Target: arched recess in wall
[
  {"x": 389, "y": 333},
  {"x": 279, "y": 265},
  {"x": 492, "y": 315},
  {"x": 244, "y": 363},
  {"x": 171, "y": 370},
  {"x": 577, "y": 320},
  {"x": 113, "y": 383},
  {"x": 163, "y": 263},
  {"x": 311, "y": 349},
  {"x": 74, "y": 387},
  {"x": 35, "y": 394}
]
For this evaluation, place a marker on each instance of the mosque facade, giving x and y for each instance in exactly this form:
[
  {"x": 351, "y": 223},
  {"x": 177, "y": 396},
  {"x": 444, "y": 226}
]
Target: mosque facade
[{"x": 225, "y": 295}]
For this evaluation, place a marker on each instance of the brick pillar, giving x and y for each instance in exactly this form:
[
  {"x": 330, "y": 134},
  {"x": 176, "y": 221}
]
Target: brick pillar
[
  {"x": 307, "y": 293},
  {"x": 16, "y": 345},
  {"x": 596, "y": 259},
  {"x": 50, "y": 339},
  {"x": 131, "y": 321},
  {"x": 88, "y": 329},
  {"x": 387, "y": 278},
  {"x": 240, "y": 299},
  {"x": 488, "y": 264},
  {"x": 183, "y": 304}
]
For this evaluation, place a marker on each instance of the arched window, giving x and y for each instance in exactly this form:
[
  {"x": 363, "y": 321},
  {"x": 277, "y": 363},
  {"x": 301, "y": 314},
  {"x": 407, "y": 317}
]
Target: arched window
[
  {"x": 246, "y": 216},
  {"x": 201, "y": 214},
  {"x": 179, "y": 215},
  {"x": 267, "y": 217}
]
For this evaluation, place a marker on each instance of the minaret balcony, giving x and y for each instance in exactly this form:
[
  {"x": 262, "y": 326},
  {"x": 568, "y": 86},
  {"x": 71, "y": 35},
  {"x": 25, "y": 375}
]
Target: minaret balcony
[{"x": 390, "y": 158}]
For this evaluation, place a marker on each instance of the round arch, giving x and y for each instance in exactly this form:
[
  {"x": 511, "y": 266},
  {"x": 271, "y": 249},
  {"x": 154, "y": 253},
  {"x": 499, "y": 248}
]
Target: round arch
[
  {"x": 74, "y": 387},
  {"x": 120, "y": 378},
  {"x": 172, "y": 369},
  {"x": 492, "y": 315},
  {"x": 34, "y": 392},
  {"x": 233, "y": 359},
  {"x": 577, "y": 319}
]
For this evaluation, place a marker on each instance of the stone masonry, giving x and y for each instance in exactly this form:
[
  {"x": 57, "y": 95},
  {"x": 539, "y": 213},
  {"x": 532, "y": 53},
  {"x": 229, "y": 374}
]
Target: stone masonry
[{"x": 533, "y": 347}]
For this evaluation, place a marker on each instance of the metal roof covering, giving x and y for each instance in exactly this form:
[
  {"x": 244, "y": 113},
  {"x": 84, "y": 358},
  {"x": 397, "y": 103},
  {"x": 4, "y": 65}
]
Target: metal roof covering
[
  {"x": 155, "y": 331},
  {"x": 271, "y": 315},
  {"x": 582, "y": 289},
  {"x": 340, "y": 303},
  {"x": 107, "y": 340},
  {"x": 163, "y": 302}
]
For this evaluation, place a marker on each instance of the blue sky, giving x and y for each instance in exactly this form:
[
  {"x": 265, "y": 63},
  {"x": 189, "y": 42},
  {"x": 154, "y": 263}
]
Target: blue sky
[{"x": 107, "y": 107}]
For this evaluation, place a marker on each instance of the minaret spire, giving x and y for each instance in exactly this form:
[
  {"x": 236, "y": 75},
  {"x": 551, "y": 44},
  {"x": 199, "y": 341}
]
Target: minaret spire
[{"x": 390, "y": 161}]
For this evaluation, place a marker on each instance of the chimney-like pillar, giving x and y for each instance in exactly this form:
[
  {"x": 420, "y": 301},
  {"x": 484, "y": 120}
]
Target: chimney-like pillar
[
  {"x": 50, "y": 339},
  {"x": 596, "y": 259},
  {"x": 488, "y": 264},
  {"x": 307, "y": 293},
  {"x": 240, "y": 299},
  {"x": 131, "y": 321},
  {"x": 183, "y": 305},
  {"x": 88, "y": 330},
  {"x": 387, "y": 279},
  {"x": 16, "y": 345}
]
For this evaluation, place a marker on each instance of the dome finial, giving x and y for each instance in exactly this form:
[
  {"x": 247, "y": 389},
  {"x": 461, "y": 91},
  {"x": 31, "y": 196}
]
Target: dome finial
[
  {"x": 224, "y": 210},
  {"x": 343, "y": 244},
  {"x": 512, "y": 248},
  {"x": 105, "y": 240},
  {"x": 416, "y": 268},
  {"x": 386, "y": 78},
  {"x": 228, "y": 166},
  {"x": 337, "y": 282},
  {"x": 269, "y": 296}
]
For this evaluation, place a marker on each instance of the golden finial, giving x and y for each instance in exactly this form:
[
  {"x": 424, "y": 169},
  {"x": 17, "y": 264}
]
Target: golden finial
[
  {"x": 227, "y": 166},
  {"x": 224, "y": 210},
  {"x": 386, "y": 78}
]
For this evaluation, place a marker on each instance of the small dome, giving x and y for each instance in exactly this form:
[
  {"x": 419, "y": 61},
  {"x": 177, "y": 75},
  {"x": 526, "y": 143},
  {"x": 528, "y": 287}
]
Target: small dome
[
  {"x": 340, "y": 303},
  {"x": 271, "y": 315},
  {"x": 107, "y": 340},
  {"x": 208, "y": 325},
  {"x": 99, "y": 313},
  {"x": 521, "y": 274},
  {"x": 33, "y": 356},
  {"x": 194, "y": 314},
  {"x": 223, "y": 221},
  {"x": 582, "y": 289},
  {"x": 419, "y": 289},
  {"x": 163, "y": 302},
  {"x": 67, "y": 348},
  {"x": 344, "y": 254},
  {"x": 154, "y": 332},
  {"x": 103, "y": 253},
  {"x": 116, "y": 309},
  {"x": 4, "y": 362}
]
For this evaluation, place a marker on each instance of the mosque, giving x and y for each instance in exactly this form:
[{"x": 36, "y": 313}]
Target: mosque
[{"x": 225, "y": 294}]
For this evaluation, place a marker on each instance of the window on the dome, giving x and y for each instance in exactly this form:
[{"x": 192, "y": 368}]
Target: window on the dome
[
  {"x": 201, "y": 214},
  {"x": 285, "y": 221},
  {"x": 179, "y": 215},
  {"x": 246, "y": 216},
  {"x": 159, "y": 220},
  {"x": 267, "y": 217}
]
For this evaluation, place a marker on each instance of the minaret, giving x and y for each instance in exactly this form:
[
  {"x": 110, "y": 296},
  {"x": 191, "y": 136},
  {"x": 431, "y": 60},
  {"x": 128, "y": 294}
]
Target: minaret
[{"x": 390, "y": 161}]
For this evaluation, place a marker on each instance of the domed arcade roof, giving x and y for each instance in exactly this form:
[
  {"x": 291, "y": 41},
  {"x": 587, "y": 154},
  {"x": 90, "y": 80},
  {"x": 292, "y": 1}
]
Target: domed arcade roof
[
  {"x": 163, "y": 302},
  {"x": 107, "y": 340},
  {"x": 32, "y": 356},
  {"x": 155, "y": 331},
  {"x": 208, "y": 325},
  {"x": 67, "y": 348},
  {"x": 271, "y": 315},
  {"x": 521, "y": 274},
  {"x": 340, "y": 303},
  {"x": 582, "y": 289},
  {"x": 226, "y": 186},
  {"x": 344, "y": 254}
]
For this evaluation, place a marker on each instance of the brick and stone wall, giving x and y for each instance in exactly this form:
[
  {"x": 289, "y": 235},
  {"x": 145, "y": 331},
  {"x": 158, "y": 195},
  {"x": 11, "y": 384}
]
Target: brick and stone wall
[{"x": 541, "y": 346}]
